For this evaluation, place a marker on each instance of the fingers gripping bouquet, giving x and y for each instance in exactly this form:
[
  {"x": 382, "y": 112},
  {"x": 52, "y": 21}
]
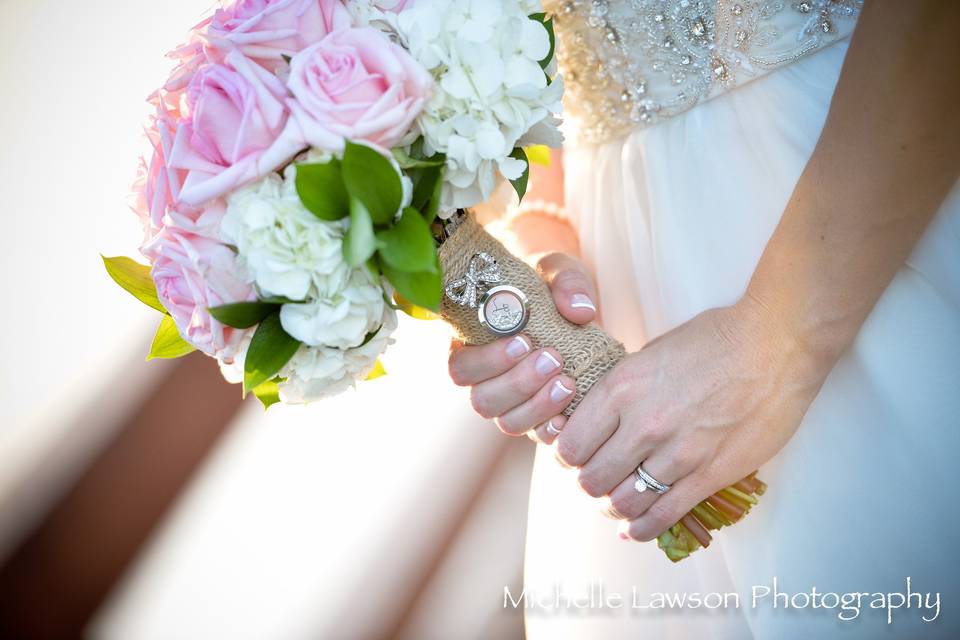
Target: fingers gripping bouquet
[{"x": 312, "y": 164}]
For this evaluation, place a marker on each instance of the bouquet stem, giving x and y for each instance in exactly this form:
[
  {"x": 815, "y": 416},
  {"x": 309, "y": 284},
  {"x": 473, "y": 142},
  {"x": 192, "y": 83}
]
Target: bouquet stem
[{"x": 588, "y": 353}]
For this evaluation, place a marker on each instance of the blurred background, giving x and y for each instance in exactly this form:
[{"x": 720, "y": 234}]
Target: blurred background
[{"x": 146, "y": 500}]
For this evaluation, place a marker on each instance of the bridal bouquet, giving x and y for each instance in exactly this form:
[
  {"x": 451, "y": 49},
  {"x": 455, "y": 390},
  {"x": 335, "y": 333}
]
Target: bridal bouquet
[
  {"x": 302, "y": 152},
  {"x": 312, "y": 164}
]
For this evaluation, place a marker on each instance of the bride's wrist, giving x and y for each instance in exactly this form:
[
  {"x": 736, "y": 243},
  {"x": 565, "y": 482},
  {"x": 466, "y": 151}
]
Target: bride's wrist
[{"x": 781, "y": 343}]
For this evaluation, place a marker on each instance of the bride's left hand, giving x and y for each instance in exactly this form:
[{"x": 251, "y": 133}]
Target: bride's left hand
[{"x": 701, "y": 407}]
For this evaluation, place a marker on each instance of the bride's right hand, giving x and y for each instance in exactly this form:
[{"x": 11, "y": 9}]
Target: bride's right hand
[{"x": 523, "y": 388}]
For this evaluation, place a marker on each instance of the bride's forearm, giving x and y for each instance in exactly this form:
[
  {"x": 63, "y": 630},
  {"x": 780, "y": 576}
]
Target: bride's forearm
[{"x": 888, "y": 155}]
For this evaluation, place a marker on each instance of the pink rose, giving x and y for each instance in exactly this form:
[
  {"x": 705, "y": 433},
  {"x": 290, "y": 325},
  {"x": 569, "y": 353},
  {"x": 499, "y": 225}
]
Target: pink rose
[
  {"x": 157, "y": 189},
  {"x": 356, "y": 84},
  {"x": 231, "y": 130},
  {"x": 158, "y": 185},
  {"x": 266, "y": 30},
  {"x": 189, "y": 58},
  {"x": 192, "y": 274}
]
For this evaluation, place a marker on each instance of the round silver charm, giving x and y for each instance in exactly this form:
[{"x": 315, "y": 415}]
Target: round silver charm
[{"x": 504, "y": 310}]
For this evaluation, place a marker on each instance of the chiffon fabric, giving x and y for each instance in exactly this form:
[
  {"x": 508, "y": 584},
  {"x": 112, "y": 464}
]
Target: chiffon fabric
[{"x": 673, "y": 219}]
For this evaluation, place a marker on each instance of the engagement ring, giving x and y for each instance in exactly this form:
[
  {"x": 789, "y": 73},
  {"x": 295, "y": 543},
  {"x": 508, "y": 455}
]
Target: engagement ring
[{"x": 646, "y": 481}]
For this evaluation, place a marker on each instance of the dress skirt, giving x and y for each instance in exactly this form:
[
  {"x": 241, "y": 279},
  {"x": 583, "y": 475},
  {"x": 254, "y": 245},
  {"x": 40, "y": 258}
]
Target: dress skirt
[{"x": 673, "y": 219}]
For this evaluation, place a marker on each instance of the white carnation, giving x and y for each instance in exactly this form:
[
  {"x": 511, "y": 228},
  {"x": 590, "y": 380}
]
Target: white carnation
[
  {"x": 287, "y": 250},
  {"x": 341, "y": 318},
  {"x": 318, "y": 372},
  {"x": 490, "y": 90},
  {"x": 314, "y": 373}
]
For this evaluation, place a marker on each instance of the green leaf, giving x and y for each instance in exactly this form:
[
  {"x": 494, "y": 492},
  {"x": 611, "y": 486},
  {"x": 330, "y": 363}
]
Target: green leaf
[
  {"x": 520, "y": 184},
  {"x": 408, "y": 245},
  {"x": 371, "y": 179},
  {"x": 270, "y": 349},
  {"x": 434, "y": 207},
  {"x": 168, "y": 343},
  {"x": 243, "y": 315},
  {"x": 407, "y": 162},
  {"x": 427, "y": 189},
  {"x": 378, "y": 371},
  {"x": 424, "y": 181},
  {"x": 548, "y": 25},
  {"x": 359, "y": 243},
  {"x": 412, "y": 310},
  {"x": 280, "y": 300},
  {"x": 135, "y": 278},
  {"x": 322, "y": 190},
  {"x": 416, "y": 149},
  {"x": 422, "y": 288},
  {"x": 370, "y": 336},
  {"x": 268, "y": 393},
  {"x": 373, "y": 268}
]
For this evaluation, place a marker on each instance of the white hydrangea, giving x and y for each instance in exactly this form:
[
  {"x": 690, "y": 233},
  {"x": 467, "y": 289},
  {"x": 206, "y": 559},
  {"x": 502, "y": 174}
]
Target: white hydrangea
[
  {"x": 319, "y": 372},
  {"x": 490, "y": 93}
]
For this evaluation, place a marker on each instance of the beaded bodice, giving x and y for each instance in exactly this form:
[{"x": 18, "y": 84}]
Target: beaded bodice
[{"x": 628, "y": 63}]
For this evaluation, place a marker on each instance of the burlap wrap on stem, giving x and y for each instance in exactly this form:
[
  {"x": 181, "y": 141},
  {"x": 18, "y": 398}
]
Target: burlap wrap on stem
[{"x": 588, "y": 352}]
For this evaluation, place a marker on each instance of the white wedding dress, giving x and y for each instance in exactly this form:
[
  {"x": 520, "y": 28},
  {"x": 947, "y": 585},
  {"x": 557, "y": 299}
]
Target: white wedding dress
[{"x": 693, "y": 122}]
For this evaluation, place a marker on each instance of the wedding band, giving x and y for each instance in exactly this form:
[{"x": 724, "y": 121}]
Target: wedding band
[{"x": 646, "y": 481}]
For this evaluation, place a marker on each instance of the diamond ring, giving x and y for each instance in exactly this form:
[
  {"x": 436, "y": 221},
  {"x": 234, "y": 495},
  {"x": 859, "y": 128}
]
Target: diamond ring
[{"x": 646, "y": 481}]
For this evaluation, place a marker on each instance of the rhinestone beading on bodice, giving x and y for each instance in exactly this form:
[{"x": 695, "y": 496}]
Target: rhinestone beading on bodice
[{"x": 629, "y": 63}]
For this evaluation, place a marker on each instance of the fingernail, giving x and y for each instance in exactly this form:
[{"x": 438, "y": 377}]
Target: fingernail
[
  {"x": 581, "y": 301},
  {"x": 623, "y": 528},
  {"x": 552, "y": 430},
  {"x": 559, "y": 392},
  {"x": 517, "y": 347},
  {"x": 546, "y": 363},
  {"x": 623, "y": 536}
]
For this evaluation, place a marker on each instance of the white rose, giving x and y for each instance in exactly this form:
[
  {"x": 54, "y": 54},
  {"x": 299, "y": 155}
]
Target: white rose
[
  {"x": 287, "y": 250},
  {"x": 341, "y": 318}
]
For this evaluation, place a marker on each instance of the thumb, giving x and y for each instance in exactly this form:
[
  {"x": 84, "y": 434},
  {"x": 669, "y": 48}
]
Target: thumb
[{"x": 572, "y": 287}]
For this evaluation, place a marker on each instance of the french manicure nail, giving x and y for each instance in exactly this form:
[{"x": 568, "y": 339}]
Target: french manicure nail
[
  {"x": 552, "y": 430},
  {"x": 546, "y": 363},
  {"x": 517, "y": 347},
  {"x": 581, "y": 301},
  {"x": 559, "y": 392}
]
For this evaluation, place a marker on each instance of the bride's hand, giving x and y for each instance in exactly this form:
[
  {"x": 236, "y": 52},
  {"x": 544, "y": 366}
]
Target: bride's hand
[
  {"x": 701, "y": 407},
  {"x": 521, "y": 387}
]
